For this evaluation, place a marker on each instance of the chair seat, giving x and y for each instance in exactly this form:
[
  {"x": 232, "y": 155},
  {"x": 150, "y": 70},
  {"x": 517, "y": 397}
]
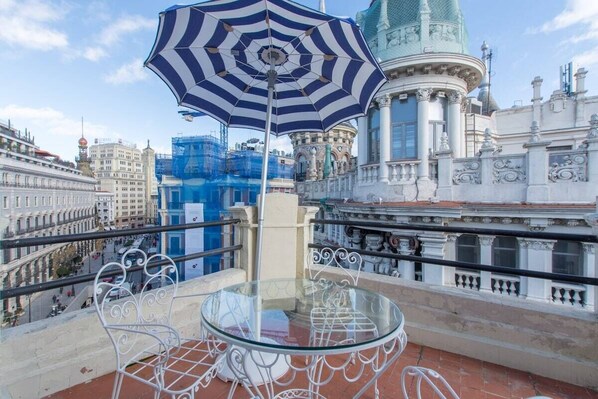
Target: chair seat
[
  {"x": 341, "y": 319},
  {"x": 193, "y": 364}
]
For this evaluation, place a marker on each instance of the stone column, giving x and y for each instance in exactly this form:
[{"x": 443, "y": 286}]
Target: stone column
[
  {"x": 444, "y": 192},
  {"x": 580, "y": 97},
  {"x": 424, "y": 21},
  {"x": 454, "y": 123},
  {"x": 450, "y": 253},
  {"x": 305, "y": 236},
  {"x": 539, "y": 258},
  {"x": 537, "y": 99},
  {"x": 486, "y": 259},
  {"x": 590, "y": 270},
  {"x": 406, "y": 267},
  {"x": 433, "y": 247},
  {"x": 362, "y": 150},
  {"x": 537, "y": 167},
  {"x": 592, "y": 142},
  {"x": 384, "y": 104},
  {"x": 423, "y": 132}
]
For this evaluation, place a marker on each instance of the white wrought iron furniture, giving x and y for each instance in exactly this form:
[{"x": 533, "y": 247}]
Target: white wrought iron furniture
[
  {"x": 432, "y": 378},
  {"x": 274, "y": 317},
  {"x": 148, "y": 347}
]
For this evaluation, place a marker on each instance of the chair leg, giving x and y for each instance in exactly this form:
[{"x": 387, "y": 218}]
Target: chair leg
[{"x": 118, "y": 381}]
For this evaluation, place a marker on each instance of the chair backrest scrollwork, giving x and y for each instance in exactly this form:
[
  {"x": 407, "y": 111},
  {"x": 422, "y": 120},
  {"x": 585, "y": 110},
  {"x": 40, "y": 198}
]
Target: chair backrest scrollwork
[
  {"x": 350, "y": 263},
  {"x": 119, "y": 303}
]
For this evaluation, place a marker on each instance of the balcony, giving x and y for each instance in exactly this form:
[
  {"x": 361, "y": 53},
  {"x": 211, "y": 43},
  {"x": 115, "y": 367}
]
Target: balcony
[{"x": 486, "y": 345}]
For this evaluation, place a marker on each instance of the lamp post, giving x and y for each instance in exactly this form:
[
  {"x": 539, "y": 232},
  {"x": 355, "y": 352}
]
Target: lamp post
[{"x": 29, "y": 306}]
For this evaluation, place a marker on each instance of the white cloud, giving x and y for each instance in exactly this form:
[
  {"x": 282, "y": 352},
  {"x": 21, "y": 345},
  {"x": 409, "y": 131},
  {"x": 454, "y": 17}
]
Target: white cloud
[
  {"x": 113, "y": 32},
  {"x": 576, "y": 12},
  {"x": 27, "y": 24},
  {"x": 128, "y": 73},
  {"x": 587, "y": 58},
  {"x": 53, "y": 130},
  {"x": 94, "y": 53}
]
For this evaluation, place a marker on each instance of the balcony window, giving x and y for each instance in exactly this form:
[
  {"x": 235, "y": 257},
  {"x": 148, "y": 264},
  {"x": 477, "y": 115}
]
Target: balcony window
[
  {"x": 373, "y": 136},
  {"x": 505, "y": 252},
  {"x": 567, "y": 258},
  {"x": 468, "y": 248},
  {"x": 404, "y": 128}
]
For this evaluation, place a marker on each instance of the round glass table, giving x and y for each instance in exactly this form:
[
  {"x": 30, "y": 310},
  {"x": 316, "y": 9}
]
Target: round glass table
[{"x": 329, "y": 325}]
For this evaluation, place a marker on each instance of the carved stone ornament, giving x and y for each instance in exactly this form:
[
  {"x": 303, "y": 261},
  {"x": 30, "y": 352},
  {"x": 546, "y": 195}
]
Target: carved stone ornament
[
  {"x": 593, "y": 132},
  {"x": 444, "y": 143},
  {"x": 568, "y": 167},
  {"x": 486, "y": 240},
  {"x": 468, "y": 174},
  {"x": 488, "y": 143},
  {"x": 455, "y": 97},
  {"x": 535, "y": 129},
  {"x": 509, "y": 171},
  {"x": 558, "y": 101},
  {"x": 537, "y": 244},
  {"x": 384, "y": 101},
  {"x": 423, "y": 94},
  {"x": 589, "y": 248}
]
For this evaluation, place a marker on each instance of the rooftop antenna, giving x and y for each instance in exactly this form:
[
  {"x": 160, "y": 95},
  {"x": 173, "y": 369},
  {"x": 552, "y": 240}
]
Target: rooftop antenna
[
  {"x": 567, "y": 78},
  {"x": 82, "y": 127}
]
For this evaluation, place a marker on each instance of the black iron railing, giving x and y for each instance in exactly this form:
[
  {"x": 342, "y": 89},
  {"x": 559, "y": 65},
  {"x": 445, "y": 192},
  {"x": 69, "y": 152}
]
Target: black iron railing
[
  {"x": 465, "y": 265},
  {"x": 7, "y": 293}
]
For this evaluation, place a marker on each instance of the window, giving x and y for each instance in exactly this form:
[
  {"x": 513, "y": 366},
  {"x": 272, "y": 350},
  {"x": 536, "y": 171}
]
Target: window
[
  {"x": 174, "y": 219},
  {"x": 27, "y": 201},
  {"x": 468, "y": 248},
  {"x": 505, "y": 252},
  {"x": 567, "y": 258},
  {"x": 17, "y": 202},
  {"x": 404, "y": 128},
  {"x": 5, "y": 202},
  {"x": 373, "y": 137},
  {"x": 35, "y": 201}
]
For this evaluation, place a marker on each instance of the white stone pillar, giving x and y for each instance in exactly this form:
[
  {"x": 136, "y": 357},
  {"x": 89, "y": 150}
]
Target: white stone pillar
[
  {"x": 423, "y": 132},
  {"x": 384, "y": 104},
  {"x": 454, "y": 123},
  {"x": 537, "y": 167},
  {"x": 406, "y": 267},
  {"x": 433, "y": 247},
  {"x": 486, "y": 259},
  {"x": 537, "y": 100},
  {"x": 382, "y": 25},
  {"x": 580, "y": 97},
  {"x": 590, "y": 270},
  {"x": 592, "y": 143},
  {"x": 444, "y": 192},
  {"x": 362, "y": 150},
  {"x": 450, "y": 253},
  {"x": 539, "y": 258}
]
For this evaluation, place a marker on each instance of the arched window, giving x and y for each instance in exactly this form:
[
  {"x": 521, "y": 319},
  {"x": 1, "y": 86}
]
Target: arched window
[
  {"x": 468, "y": 248},
  {"x": 373, "y": 137},
  {"x": 567, "y": 258},
  {"x": 505, "y": 251}
]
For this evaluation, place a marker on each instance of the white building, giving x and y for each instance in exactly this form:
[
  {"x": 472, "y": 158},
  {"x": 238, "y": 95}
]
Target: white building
[
  {"x": 105, "y": 208},
  {"x": 148, "y": 158},
  {"x": 40, "y": 196},
  {"x": 120, "y": 169},
  {"x": 431, "y": 152}
]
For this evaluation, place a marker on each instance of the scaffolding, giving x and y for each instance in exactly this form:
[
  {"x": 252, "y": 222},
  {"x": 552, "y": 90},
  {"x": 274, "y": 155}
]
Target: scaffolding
[{"x": 204, "y": 172}]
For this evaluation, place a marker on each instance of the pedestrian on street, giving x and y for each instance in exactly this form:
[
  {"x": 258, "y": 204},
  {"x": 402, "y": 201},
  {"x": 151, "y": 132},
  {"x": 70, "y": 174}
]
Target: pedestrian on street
[{"x": 53, "y": 298}]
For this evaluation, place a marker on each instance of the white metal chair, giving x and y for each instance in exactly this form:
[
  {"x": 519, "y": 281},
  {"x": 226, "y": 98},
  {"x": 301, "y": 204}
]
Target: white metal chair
[
  {"x": 432, "y": 379},
  {"x": 148, "y": 347}
]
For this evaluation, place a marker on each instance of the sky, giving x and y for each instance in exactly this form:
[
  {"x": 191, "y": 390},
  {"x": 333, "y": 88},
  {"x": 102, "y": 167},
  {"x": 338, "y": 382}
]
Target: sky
[{"x": 63, "y": 60}]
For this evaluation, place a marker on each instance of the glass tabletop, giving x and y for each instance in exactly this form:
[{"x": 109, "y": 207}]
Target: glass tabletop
[{"x": 300, "y": 314}]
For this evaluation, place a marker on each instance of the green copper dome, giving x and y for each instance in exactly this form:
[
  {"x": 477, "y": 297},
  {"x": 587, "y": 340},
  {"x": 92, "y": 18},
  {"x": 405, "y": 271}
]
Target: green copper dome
[{"x": 414, "y": 27}]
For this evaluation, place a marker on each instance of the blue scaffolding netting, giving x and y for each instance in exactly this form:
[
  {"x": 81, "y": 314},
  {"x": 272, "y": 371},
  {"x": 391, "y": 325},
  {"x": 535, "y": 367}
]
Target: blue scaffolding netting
[{"x": 202, "y": 171}]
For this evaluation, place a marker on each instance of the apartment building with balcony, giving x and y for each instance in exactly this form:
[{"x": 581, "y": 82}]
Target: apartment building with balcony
[{"x": 40, "y": 196}]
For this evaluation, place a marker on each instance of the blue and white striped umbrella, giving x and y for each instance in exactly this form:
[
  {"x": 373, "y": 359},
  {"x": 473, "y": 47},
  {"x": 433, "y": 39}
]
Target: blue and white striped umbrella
[
  {"x": 270, "y": 65},
  {"x": 215, "y": 57}
]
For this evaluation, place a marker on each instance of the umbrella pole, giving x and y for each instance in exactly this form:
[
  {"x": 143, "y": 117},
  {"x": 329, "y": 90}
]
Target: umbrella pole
[{"x": 260, "y": 222}]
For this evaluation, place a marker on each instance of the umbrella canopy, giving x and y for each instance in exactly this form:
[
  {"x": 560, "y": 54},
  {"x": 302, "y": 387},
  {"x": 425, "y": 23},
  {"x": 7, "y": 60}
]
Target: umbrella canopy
[{"x": 270, "y": 65}]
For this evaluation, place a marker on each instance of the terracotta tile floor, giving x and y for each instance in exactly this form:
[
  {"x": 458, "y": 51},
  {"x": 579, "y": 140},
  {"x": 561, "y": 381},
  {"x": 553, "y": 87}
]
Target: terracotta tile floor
[{"x": 471, "y": 379}]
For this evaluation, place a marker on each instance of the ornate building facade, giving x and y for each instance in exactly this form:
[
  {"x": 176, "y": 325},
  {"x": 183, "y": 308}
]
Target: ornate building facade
[
  {"x": 41, "y": 196},
  {"x": 431, "y": 151}
]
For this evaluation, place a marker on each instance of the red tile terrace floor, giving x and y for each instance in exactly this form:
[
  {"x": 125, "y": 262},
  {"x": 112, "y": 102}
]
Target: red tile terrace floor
[{"x": 470, "y": 378}]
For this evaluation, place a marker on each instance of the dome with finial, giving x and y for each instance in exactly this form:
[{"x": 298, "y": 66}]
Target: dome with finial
[
  {"x": 82, "y": 142},
  {"x": 409, "y": 27}
]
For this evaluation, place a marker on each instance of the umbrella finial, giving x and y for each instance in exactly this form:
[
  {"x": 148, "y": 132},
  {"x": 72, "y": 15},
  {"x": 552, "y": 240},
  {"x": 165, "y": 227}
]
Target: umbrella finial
[{"x": 323, "y": 6}]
